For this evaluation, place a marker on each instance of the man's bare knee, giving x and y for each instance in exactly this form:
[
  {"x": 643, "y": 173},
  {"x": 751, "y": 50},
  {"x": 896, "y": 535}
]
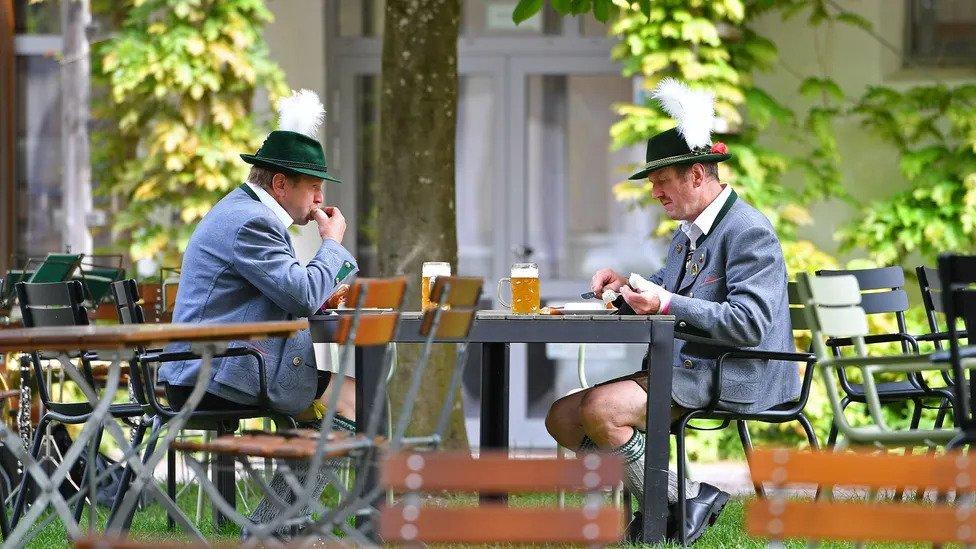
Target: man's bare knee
[{"x": 609, "y": 411}]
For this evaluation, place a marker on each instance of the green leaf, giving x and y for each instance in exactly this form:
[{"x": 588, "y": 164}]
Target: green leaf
[
  {"x": 526, "y": 9},
  {"x": 852, "y": 18},
  {"x": 601, "y": 10}
]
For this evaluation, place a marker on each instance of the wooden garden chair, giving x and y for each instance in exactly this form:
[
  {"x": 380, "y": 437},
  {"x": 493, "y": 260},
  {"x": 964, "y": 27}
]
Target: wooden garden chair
[
  {"x": 414, "y": 473},
  {"x": 860, "y": 519}
]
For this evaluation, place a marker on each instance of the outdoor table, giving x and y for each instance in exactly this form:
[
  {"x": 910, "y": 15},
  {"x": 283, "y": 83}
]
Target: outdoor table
[
  {"x": 120, "y": 341},
  {"x": 494, "y": 332}
]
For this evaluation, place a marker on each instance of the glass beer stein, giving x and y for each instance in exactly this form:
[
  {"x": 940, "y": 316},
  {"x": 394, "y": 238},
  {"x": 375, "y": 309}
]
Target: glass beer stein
[
  {"x": 524, "y": 280},
  {"x": 430, "y": 271}
]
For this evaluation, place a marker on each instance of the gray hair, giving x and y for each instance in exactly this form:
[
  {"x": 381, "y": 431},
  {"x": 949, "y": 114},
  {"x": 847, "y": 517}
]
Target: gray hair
[
  {"x": 711, "y": 169},
  {"x": 262, "y": 177}
]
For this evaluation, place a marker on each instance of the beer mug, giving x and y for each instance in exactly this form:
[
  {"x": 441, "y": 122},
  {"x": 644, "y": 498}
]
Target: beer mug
[
  {"x": 430, "y": 271},
  {"x": 525, "y": 289}
]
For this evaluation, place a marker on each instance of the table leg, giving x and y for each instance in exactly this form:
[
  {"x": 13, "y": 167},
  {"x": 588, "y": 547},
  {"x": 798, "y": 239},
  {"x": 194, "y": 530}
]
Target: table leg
[
  {"x": 494, "y": 401},
  {"x": 223, "y": 473},
  {"x": 369, "y": 369},
  {"x": 655, "y": 507}
]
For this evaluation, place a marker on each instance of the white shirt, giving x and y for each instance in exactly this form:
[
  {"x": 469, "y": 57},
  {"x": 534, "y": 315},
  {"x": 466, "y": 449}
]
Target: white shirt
[
  {"x": 703, "y": 223},
  {"x": 694, "y": 230},
  {"x": 270, "y": 202}
]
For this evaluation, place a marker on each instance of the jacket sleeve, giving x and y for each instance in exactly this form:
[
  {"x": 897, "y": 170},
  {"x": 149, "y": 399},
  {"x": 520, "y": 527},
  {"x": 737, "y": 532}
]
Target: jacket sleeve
[
  {"x": 755, "y": 278},
  {"x": 263, "y": 256}
]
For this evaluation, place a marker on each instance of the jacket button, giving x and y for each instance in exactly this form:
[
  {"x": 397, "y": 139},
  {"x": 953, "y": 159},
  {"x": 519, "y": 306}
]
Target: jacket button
[
  {"x": 687, "y": 363},
  {"x": 691, "y": 294},
  {"x": 296, "y": 361},
  {"x": 681, "y": 324}
]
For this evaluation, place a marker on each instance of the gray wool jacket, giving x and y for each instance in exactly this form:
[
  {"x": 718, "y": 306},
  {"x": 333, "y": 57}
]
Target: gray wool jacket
[
  {"x": 240, "y": 266},
  {"x": 734, "y": 289}
]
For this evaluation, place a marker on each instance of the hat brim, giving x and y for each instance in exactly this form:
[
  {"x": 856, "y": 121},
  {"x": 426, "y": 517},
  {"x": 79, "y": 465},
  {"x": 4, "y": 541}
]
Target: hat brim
[
  {"x": 270, "y": 164},
  {"x": 675, "y": 160}
]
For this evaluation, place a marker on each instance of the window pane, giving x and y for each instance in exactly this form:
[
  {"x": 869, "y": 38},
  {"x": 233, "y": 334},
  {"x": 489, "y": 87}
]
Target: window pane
[
  {"x": 943, "y": 32},
  {"x": 494, "y": 18},
  {"x": 38, "y": 180},
  {"x": 37, "y": 17},
  {"x": 574, "y": 223},
  {"x": 476, "y": 174},
  {"x": 361, "y": 18}
]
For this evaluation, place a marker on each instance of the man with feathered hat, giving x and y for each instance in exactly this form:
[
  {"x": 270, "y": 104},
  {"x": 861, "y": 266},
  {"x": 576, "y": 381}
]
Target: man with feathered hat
[
  {"x": 240, "y": 266},
  {"x": 724, "y": 277}
]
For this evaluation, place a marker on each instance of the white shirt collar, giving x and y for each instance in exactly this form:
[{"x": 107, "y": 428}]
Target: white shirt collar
[
  {"x": 703, "y": 223},
  {"x": 271, "y": 203}
]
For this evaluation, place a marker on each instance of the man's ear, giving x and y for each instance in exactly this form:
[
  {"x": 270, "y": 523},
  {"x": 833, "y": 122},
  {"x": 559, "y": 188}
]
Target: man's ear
[
  {"x": 697, "y": 175},
  {"x": 278, "y": 182}
]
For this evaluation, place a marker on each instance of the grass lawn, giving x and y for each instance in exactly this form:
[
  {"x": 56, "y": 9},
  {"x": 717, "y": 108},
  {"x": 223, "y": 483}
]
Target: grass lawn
[{"x": 150, "y": 524}]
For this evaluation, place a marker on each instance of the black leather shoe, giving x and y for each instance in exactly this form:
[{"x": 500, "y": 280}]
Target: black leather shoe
[{"x": 702, "y": 511}]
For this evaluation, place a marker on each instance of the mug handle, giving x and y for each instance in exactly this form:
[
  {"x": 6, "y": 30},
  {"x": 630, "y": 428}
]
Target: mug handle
[{"x": 498, "y": 291}]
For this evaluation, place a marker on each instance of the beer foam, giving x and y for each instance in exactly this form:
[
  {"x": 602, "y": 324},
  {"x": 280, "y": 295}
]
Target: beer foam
[
  {"x": 432, "y": 269},
  {"x": 525, "y": 272}
]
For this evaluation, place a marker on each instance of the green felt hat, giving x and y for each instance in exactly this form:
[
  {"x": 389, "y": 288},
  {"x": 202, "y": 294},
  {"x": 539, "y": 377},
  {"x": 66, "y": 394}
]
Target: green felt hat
[
  {"x": 293, "y": 153},
  {"x": 669, "y": 148}
]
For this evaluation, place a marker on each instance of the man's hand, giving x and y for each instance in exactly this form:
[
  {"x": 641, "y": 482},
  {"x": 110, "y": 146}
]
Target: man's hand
[
  {"x": 642, "y": 303},
  {"x": 606, "y": 279},
  {"x": 331, "y": 223}
]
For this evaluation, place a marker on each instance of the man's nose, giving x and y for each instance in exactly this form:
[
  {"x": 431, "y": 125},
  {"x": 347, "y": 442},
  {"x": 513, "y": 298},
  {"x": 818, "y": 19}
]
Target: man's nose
[{"x": 656, "y": 192}]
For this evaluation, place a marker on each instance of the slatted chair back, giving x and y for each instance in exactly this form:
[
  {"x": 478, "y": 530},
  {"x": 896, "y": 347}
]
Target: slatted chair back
[
  {"x": 882, "y": 292},
  {"x": 127, "y": 302},
  {"x": 834, "y": 310},
  {"x": 859, "y": 519},
  {"x": 415, "y": 472},
  {"x": 459, "y": 298},
  {"x": 931, "y": 289},
  {"x": 371, "y": 328},
  {"x": 957, "y": 275},
  {"x": 53, "y": 304},
  {"x": 798, "y": 318}
]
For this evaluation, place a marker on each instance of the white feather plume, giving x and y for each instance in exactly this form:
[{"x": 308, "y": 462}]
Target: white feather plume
[
  {"x": 302, "y": 112},
  {"x": 693, "y": 110}
]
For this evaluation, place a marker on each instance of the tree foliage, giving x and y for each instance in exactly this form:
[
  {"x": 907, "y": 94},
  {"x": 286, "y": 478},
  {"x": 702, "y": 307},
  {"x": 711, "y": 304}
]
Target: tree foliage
[
  {"x": 180, "y": 77},
  {"x": 934, "y": 130}
]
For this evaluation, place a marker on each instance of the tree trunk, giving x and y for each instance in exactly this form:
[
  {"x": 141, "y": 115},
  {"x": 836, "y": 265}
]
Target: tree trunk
[{"x": 415, "y": 189}]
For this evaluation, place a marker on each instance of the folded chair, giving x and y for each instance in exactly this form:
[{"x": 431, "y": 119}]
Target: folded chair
[
  {"x": 451, "y": 320},
  {"x": 358, "y": 328},
  {"x": 414, "y": 473}
]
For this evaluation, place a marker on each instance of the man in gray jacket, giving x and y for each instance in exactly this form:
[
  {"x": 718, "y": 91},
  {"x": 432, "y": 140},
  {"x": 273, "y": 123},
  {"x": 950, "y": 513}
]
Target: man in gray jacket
[
  {"x": 724, "y": 278},
  {"x": 240, "y": 266}
]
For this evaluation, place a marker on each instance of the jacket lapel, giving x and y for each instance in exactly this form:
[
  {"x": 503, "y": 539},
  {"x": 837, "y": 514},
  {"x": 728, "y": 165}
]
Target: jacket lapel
[{"x": 694, "y": 268}]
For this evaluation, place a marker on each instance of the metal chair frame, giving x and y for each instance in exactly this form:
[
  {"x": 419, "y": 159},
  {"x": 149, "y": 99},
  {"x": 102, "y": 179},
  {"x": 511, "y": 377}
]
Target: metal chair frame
[
  {"x": 790, "y": 411},
  {"x": 882, "y": 292}
]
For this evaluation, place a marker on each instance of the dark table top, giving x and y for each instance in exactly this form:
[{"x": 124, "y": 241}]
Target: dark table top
[{"x": 504, "y": 327}]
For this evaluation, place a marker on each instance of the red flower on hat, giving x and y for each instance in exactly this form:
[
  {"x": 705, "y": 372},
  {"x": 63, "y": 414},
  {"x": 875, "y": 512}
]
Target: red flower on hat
[{"x": 719, "y": 148}]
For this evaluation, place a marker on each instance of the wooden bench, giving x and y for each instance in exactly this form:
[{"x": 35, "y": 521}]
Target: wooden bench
[
  {"x": 860, "y": 519},
  {"x": 415, "y": 472}
]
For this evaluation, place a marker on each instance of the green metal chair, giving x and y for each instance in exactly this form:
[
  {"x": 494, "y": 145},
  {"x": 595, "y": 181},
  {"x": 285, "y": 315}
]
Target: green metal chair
[{"x": 834, "y": 311}]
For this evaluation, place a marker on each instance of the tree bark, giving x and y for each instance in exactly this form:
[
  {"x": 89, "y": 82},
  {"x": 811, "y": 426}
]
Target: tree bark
[{"x": 415, "y": 185}]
